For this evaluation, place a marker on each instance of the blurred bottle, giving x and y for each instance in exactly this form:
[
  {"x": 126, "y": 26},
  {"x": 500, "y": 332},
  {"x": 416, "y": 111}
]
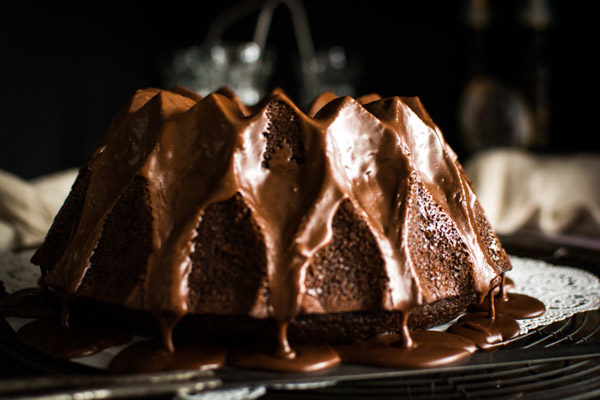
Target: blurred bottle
[
  {"x": 536, "y": 19},
  {"x": 505, "y": 99}
]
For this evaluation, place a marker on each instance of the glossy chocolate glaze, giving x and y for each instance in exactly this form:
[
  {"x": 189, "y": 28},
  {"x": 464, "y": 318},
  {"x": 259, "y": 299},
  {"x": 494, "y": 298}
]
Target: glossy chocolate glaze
[
  {"x": 487, "y": 329},
  {"x": 486, "y": 332},
  {"x": 428, "y": 349},
  {"x": 506, "y": 283},
  {"x": 306, "y": 359},
  {"x": 150, "y": 356},
  {"x": 369, "y": 154},
  {"x": 519, "y": 306},
  {"x": 515, "y": 305}
]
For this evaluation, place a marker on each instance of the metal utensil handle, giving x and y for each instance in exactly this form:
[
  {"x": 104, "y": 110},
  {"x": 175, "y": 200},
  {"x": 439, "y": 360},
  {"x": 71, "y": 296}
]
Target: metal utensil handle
[
  {"x": 302, "y": 32},
  {"x": 230, "y": 16}
]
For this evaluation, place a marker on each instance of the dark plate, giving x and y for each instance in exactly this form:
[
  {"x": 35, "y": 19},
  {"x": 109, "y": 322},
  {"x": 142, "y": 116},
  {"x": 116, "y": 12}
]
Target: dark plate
[{"x": 561, "y": 360}]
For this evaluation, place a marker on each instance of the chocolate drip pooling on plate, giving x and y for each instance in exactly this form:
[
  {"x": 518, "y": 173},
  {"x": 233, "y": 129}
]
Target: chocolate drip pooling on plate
[
  {"x": 150, "y": 356},
  {"x": 89, "y": 334},
  {"x": 292, "y": 171},
  {"x": 515, "y": 305}
]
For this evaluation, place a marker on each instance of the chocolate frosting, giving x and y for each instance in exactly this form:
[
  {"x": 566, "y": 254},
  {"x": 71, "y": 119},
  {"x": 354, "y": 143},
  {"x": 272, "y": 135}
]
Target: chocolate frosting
[{"x": 194, "y": 152}]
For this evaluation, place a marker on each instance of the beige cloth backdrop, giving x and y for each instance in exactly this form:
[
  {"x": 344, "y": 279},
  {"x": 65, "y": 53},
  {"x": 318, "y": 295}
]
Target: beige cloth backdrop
[
  {"x": 552, "y": 194},
  {"x": 27, "y": 208}
]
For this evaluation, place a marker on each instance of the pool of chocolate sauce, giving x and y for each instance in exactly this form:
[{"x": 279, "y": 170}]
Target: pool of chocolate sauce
[{"x": 485, "y": 326}]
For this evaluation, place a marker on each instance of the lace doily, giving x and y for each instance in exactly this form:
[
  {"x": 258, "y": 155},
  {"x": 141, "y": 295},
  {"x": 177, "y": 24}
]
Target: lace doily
[
  {"x": 16, "y": 271},
  {"x": 565, "y": 291}
]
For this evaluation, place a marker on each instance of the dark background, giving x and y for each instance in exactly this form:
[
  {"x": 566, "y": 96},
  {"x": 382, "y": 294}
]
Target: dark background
[{"x": 65, "y": 72}]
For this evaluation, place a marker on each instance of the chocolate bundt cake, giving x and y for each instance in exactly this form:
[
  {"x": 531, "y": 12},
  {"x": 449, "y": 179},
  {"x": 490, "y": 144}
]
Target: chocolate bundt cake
[{"x": 349, "y": 220}]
